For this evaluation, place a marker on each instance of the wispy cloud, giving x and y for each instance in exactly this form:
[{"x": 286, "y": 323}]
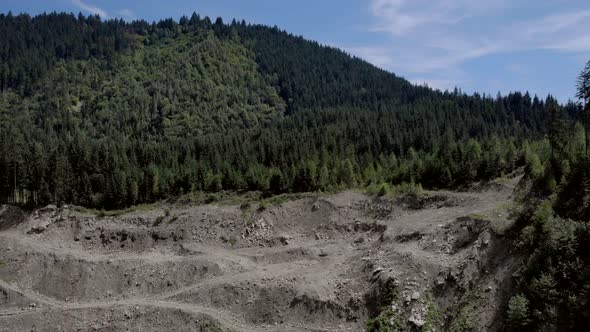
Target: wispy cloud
[
  {"x": 404, "y": 16},
  {"x": 378, "y": 56},
  {"x": 127, "y": 13},
  {"x": 90, "y": 8},
  {"x": 565, "y": 32},
  {"x": 430, "y": 40}
]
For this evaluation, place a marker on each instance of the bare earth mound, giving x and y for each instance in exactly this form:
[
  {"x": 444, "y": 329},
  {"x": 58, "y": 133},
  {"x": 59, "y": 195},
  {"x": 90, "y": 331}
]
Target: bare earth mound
[{"x": 312, "y": 264}]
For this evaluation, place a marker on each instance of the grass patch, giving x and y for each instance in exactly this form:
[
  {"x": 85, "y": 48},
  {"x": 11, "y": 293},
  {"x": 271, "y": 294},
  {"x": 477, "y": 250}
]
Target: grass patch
[
  {"x": 503, "y": 180},
  {"x": 211, "y": 327},
  {"x": 158, "y": 221},
  {"x": 434, "y": 317},
  {"x": 246, "y": 206},
  {"x": 511, "y": 208},
  {"x": 277, "y": 200},
  {"x": 173, "y": 219},
  {"x": 263, "y": 205},
  {"x": 116, "y": 213},
  {"x": 465, "y": 317},
  {"x": 386, "y": 189},
  {"x": 480, "y": 217},
  {"x": 463, "y": 321},
  {"x": 232, "y": 240},
  {"x": 390, "y": 320},
  {"x": 245, "y": 200},
  {"x": 222, "y": 197}
]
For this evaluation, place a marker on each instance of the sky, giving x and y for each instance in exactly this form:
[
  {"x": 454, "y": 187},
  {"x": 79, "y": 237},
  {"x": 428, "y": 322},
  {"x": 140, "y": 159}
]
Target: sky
[{"x": 485, "y": 46}]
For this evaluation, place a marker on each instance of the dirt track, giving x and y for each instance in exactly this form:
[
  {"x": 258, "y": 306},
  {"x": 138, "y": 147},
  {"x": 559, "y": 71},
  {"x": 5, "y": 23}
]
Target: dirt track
[{"x": 315, "y": 264}]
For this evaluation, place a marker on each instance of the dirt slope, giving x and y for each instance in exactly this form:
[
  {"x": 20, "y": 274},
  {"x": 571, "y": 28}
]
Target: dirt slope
[{"x": 312, "y": 264}]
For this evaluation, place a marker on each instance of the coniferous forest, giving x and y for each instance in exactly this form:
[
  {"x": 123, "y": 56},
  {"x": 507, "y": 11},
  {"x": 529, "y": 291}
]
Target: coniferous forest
[{"x": 109, "y": 114}]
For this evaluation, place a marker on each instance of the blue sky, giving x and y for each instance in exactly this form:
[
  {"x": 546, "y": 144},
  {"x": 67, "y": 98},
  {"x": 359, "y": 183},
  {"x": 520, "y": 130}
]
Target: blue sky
[{"x": 477, "y": 45}]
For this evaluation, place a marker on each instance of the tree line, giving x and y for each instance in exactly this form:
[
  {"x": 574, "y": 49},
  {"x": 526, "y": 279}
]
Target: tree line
[
  {"x": 168, "y": 108},
  {"x": 552, "y": 233}
]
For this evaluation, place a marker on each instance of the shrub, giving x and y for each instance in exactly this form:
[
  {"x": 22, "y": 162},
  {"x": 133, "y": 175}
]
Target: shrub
[
  {"x": 263, "y": 205},
  {"x": 527, "y": 237},
  {"x": 389, "y": 320},
  {"x": 410, "y": 188},
  {"x": 404, "y": 188},
  {"x": 158, "y": 221},
  {"x": 383, "y": 190},
  {"x": 462, "y": 322},
  {"x": 173, "y": 219},
  {"x": 534, "y": 167},
  {"x": 542, "y": 213},
  {"x": 232, "y": 240},
  {"x": 518, "y": 310}
]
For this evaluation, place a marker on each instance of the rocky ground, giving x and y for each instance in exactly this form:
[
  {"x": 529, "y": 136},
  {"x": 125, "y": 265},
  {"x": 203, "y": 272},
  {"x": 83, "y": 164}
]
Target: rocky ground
[{"x": 327, "y": 263}]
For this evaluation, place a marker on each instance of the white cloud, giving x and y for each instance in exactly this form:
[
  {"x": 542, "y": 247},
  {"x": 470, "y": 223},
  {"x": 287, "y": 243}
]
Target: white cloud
[
  {"x": 404, "y": 16},
  {"x": 576, "y": 44},
  {"x": 516, "y": 68},
  {"x": 432, "y": 39},
  {"x": 565, "y": 32},
  {"x": 128, "y": 13},
  {"x": 90, "y": 8},
  {"x": 378, "y": 56},
  {"x": 554, "y": 23}
]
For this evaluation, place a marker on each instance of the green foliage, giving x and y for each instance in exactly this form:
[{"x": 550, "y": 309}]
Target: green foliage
[
  {"x": 573, "y": 199},
  {"x": 527, "y": 237},
  {"x": 211, "y": 327},
  {"x": 543, "y": 214},
  {"x": 158, "y": 221},
  {"x": 553, "y": 288},
  {"x": 534, "y": 166},
  {"x": 384, "y": 189},
  {"x": 142, "y": 112},
  {"x": 246, "y": 206},
  {"x": 232, "y": 240},
  {"x": 555, "y": 284},
  {"x": 391, "y": 316},
  {"x": 463, "y": 321},
  {"x": 583, "y": 86},
  {"x": 411, "y": 189},
  {"x": 434, "y": 319},
  {"x": 389, "y": 320},
  {"x": 518, "y": 310},
  {"x": 263, "y": 205}
]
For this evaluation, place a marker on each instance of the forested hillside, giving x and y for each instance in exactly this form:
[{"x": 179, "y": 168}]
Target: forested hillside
[{"x": 109, "y": 114}]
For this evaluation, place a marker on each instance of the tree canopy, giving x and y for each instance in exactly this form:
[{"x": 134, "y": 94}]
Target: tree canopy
[{"x": 111, "y": 113}]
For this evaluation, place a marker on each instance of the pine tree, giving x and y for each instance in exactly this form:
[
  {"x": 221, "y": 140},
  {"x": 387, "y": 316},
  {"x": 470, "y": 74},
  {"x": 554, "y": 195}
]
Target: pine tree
[{"x": 583, "y": 93}]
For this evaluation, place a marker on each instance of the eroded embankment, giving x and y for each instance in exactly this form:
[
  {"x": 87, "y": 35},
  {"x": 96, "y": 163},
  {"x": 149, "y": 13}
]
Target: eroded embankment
[{"x": 327, "y": 264}]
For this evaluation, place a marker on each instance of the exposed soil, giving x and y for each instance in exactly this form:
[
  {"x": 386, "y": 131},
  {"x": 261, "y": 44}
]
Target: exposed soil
[{"x": 311, "y": 264}]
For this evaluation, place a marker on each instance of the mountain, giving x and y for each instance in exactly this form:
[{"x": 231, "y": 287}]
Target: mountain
[{"x": 110, "y": 114}]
